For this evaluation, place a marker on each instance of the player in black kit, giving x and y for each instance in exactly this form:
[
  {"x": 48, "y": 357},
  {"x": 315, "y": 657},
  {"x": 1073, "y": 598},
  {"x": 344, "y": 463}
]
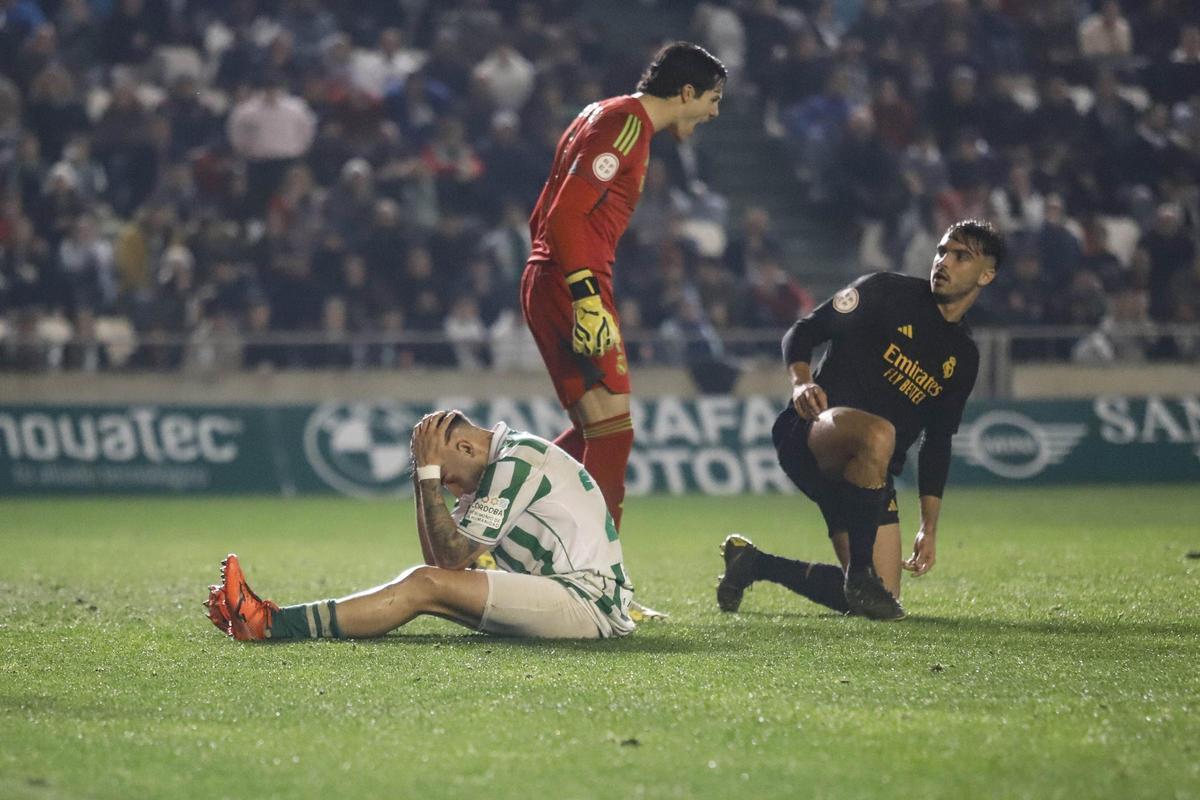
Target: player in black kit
[{"x": 900, "y": 362}]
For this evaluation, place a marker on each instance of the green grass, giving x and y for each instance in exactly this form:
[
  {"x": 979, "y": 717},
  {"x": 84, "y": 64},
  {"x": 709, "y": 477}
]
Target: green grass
[{"x": 1053, "y": 652}]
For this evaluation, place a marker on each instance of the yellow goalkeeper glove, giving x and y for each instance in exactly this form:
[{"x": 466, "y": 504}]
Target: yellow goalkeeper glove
[{"x": 595, "y": 331}]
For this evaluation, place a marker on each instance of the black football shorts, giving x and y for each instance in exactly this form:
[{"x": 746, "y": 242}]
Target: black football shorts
[{"x": 790, "y": 433}]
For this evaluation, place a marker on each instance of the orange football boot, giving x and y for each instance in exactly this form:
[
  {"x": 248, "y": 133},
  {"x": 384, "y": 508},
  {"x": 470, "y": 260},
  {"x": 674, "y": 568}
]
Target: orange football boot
[{"x": 249, "y": 616}]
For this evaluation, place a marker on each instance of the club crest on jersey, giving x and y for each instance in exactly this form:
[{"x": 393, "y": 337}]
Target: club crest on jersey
[
  {"x": 488, "y": 511},
  {"x": 846, "y": 300},
  {"x": 604, "y": 167},
  {"x": 948, "y": 367}
]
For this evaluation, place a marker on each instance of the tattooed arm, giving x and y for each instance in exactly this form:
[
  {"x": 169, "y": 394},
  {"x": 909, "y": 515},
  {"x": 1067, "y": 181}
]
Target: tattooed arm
[
  {"x": 447, "y": 548},
  {"x": 441, "y": 543}
]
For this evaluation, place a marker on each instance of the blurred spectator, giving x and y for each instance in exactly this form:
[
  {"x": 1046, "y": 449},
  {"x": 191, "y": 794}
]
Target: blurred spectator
[
  {"x": 55, "y": 111},
  {"x": 466, "y": 332},
  {"x": 1155, "y": 30},
  {"x": 193, "y": 125},
  {"x": 53, "y": 211},
  {"x": 507, "y": 244},
  {"x": 1111, "y": 119},
  {"x": 778, "y": 298},
  {"x": 85, "y": 262},
  {"x": 215, "y": 345},
  {"x": 688, "y": 336},
  {"x": 140, "y": 245},
  {"x": 1097, "y": 258},
  {"x": 260, "y": 352},
  {"x": 506, "y": 76},
  {"x": 376, "y": 71},
  {"x": 91, "y": 181},
  {"x": 721, "y": 31},
  {"x": 754, "y": 243},
  {"x": 895, "y": 117},
  {"x": 1169, "y": 251},
  {"x": 1018, "y": 207},
  {"x": 865, "y": 181},
  {"x": 351, "y": 203},
  {"x": 1123, "y": 334},
  {"x": 270, "y": 129},
  {"x": 659, "y": 208},
  {"x": 1059, "y": 247},
  {"x": 85, "y": 352},
  {"x": 78, "y": 35},
  {"x": 1084, "y": 301},
  {"x": 766, "y": 35},
  {"x": 1106, "y": 35},
  {"x": 1156, "y": 154},
  {"x": 126, "y": 140},
  {"x": 510, "y": 164},
  {"x": 1025, "y": 292},
  {"x": 132, "y": 30},
  {"x": 335, "y": 351},
  {"x": 310, "y": 25},
  {"x": 816, "y": 125},
  {"x": 454, "y": 164}
]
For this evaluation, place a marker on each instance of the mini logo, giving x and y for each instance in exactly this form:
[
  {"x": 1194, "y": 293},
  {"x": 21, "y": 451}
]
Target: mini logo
[
  {"x": 622, "y": 364},
  {"x": 361, "y": 449},
  {"x": 948, "y": 366},
  {"x": 906, "y": 330},
  {"x": 488, "y": 511},
  {"x": 846, "y": 300},
  {"x": 1014, "y": 446},
  {"x": 605, "y": 166}
]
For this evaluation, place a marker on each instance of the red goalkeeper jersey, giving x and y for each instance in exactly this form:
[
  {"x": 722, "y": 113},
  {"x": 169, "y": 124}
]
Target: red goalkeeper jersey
[{"x": 593, "y": 188}]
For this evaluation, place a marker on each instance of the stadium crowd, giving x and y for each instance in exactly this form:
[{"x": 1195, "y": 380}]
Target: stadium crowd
[{"x": 182, "y": 181}]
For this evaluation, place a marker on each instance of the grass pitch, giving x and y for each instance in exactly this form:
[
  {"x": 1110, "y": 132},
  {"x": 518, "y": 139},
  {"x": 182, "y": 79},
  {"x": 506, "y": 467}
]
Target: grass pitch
[{"x": 1052, "y": 652}]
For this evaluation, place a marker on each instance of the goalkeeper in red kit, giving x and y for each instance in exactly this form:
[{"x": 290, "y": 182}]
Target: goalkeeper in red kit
[{"x": 566, "y": 290}]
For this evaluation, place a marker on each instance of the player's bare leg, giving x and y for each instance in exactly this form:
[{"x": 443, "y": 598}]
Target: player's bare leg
[
  {"x": 855, "y": 446},
  {"x": 457, "y": 595},
  {"x": 887, "y": 554},
  {"x": 853, "y": 449}
]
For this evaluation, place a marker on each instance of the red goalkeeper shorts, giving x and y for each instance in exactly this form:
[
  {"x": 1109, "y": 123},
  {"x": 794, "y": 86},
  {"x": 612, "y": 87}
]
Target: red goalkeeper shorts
[{"x": 546, "y": 304}]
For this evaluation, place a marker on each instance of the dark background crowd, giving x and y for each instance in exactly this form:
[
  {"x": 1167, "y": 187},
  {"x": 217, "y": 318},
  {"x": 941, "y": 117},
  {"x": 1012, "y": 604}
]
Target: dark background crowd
[{"x": 292, "y": 183}]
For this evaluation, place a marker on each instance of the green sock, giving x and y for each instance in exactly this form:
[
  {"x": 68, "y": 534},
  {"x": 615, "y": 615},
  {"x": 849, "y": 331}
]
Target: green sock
[{"x": 307, "y": 621}]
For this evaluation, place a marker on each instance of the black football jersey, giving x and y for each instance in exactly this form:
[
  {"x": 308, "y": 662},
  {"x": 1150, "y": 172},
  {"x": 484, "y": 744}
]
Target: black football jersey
[{"x": 892, "y": 353}]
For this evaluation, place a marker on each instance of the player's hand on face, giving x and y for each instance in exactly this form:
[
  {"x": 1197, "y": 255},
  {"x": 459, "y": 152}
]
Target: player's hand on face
[
  {"x": 809, "y": 400},
  {"x": 923, "y": 556}
]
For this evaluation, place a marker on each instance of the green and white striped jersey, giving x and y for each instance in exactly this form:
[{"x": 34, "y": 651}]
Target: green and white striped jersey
[{"x": 542, "y": 514}]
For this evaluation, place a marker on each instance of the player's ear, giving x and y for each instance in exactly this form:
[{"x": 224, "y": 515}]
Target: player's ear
[
  {"x": 687, "y": 93},
  {"x": 987, "y": 276}
]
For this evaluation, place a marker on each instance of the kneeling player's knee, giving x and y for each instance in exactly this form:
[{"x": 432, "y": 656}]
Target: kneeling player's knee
[{"x": 879, "y": 440}]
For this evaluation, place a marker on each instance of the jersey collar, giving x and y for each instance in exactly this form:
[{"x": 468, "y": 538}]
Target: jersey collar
[{"x": 499, "y": 434}]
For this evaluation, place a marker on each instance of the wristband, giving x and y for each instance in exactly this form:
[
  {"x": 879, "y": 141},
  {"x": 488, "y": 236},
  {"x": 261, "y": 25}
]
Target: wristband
[
  {"x": 582, "y": 283},
  {"x": 429, "y": 472}
]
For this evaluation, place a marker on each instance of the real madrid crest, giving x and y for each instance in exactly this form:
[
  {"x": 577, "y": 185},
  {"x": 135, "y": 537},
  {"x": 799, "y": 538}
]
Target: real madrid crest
[
  {"x": 948, "y": 367},
  {"x": 846, "y": 300}
]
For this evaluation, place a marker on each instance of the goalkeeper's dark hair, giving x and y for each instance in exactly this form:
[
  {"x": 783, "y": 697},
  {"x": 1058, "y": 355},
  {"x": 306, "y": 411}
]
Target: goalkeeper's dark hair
[
  {"x": 982, "y": 235},
  {"x": 679, "y": 64}
]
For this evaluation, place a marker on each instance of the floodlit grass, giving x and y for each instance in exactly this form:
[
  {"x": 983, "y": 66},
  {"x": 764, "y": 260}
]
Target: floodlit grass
[{"x": 1053, "y": 652}]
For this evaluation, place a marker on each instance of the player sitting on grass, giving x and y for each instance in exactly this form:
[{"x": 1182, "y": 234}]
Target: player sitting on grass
[
  {"x": 519, "y": 496},
  {"x": 901, "y": 362}
]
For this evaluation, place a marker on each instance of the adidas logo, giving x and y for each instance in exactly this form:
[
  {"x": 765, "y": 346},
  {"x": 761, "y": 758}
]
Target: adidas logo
[{"x": 906, "y": 330}]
